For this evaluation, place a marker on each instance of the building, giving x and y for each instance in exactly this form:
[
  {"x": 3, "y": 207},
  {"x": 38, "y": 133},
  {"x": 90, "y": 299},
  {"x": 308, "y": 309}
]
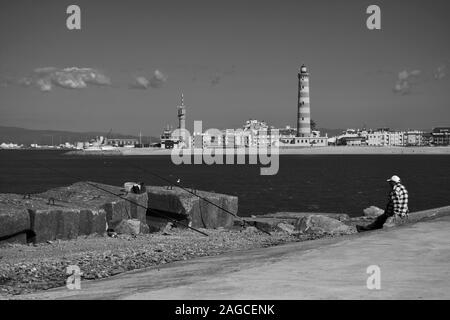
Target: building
[
  {"x": 182, "y": 117},
  {"x": 415, "y": 138},
  {"x": 303, "y": 106},
  {"x": 352, "y": 137},
  {"x": 304, "y": 136},
  {"x": 170, "y": 139},
  {"x": 440, "y": 136},
  {"x": 121, "y": 142},
  {"x": 383, "y": 137}
]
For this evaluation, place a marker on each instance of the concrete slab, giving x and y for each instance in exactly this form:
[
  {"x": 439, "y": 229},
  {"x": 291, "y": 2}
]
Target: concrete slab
[
  {"x": 199, "y": 213},
  {"x": 413, "y": 259}
]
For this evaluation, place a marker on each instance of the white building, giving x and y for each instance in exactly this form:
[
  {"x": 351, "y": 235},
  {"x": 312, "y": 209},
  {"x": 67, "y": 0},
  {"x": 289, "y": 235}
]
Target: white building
[
  {"x": 415, "y": 138},
  {"x": 385, "y": 138}
]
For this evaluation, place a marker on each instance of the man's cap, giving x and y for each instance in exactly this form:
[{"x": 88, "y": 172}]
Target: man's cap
[{"x": 395, "y": 179}]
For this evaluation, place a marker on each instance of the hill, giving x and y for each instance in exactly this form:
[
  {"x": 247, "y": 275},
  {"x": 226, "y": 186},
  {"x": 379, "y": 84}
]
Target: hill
[{"x": 55, "y": 137}]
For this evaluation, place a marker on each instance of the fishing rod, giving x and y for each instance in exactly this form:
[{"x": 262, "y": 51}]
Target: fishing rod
[
  {"x": 121, "y": 197},
  {"x": 200, "y": 197}
]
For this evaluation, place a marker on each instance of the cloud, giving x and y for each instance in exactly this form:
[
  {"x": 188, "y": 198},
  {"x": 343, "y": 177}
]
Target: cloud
[
  {"x": 140, "y": 83},
  {"x": 440, "y": 72},
  {"x": 44, "y": 85},
  {"x": 158, "y": 79},
  {"x": 405, "y": 80},
  {"x": 45, "y": 79}
]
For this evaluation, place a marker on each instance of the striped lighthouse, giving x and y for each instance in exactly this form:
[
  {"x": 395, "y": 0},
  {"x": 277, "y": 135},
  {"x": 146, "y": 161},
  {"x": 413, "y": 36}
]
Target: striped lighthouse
[{"x": 303, "y": 110}]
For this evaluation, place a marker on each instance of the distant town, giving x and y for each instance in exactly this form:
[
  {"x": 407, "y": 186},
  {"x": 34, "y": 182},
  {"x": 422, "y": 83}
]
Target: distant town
[{"x": 256, "y": 133}]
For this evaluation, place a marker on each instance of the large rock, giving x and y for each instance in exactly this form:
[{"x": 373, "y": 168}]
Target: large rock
[
  {"x": 92, "y": 222},
  {"x": 52, "y": 224},
  {"x": 373, "y": 212},
  {"x": 132, "y": 208},
  {"x": 131, "y": 226},
  {"x": 318, "y": 224},
  {"x": 299, "y": 215},
  {"x": 183, "y": 205},
  {"x": 49, "y": 220},
  {"x": 14, "y": 218},
  {"x": 266, "y": 224},
  {"x": 115, "y": 201}
]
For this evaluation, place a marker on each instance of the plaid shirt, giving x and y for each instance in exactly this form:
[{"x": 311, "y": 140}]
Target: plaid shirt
[{"x": 398, "y": 201}]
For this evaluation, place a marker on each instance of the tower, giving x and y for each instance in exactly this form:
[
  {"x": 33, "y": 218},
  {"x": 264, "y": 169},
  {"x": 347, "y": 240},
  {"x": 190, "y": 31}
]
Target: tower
[
  {"x": 182, "y": 114},
  {"x": 303, "y": 110}
]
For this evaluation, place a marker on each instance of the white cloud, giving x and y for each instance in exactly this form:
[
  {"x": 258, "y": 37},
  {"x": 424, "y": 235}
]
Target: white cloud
[
  {"x": 440, "y": 72},
  {"x": 158, "y": 79},
  {"x": 70, "y": 78},
  {"x": 405, "y": 80}
]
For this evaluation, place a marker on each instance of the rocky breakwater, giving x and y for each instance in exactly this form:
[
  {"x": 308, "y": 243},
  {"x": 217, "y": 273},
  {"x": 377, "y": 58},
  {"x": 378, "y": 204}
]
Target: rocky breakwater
[
  {"x": 124, "y": 211},
  {"x": 36, "y": 219},
  {"x": 303, "y": 223},
  {"x": 199, "y": 210},
  {"x": 68, "y": 212},
  {"x": 86, "y": 208}
]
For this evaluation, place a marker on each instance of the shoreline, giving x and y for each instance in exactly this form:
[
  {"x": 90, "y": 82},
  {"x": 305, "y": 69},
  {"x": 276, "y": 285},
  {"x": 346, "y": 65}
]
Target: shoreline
[
  {"x": 28, "y": 269},
  {"x": 330, "y": 150}
]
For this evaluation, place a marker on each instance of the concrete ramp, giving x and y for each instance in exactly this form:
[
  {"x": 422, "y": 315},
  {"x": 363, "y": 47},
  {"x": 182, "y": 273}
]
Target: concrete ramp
[{"x": 413, "y": 261}]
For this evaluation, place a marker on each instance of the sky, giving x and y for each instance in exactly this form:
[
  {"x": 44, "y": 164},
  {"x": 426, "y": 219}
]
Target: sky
[{"x": 233, "y": 60}]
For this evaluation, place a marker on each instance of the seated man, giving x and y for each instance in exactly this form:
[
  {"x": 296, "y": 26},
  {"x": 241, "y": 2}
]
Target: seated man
[{"x": 397, "y": 205}]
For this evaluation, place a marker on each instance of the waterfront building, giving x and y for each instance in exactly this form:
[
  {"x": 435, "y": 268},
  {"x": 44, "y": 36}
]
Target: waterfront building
[
  {"x": 440, "y": 136},
  {"x": 352, "y": 137},
  {"x": 383, "y": 137},
  {"x": 120, "y": 142},
  {"x": 414, "y": 138}
]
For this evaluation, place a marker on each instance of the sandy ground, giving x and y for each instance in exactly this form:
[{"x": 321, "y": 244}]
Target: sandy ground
[{"x": 413, "y": 260}]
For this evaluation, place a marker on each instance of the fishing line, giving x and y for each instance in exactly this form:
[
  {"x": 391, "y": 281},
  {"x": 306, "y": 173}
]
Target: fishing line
[
  {"x": 121, "y": 197},
  {"x": 193, "y": 193}
]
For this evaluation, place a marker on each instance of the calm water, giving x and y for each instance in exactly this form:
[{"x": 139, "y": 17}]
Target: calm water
[{"x": 320, "y": 183}]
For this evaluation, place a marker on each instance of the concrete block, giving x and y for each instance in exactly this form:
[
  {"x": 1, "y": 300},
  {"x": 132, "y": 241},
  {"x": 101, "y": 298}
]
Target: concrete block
[
  {"x": 138, "y": 206},
  {"x": 13, "y": 218},
  {"x": 131, "y": 226},
  {"x": 20, "y": 239},
  {"x": 132, "y": 208},
  {"x": 92, "y": 222},
  {"x": 52, "y": 224},
  {"x": 198, "y": 212}
]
